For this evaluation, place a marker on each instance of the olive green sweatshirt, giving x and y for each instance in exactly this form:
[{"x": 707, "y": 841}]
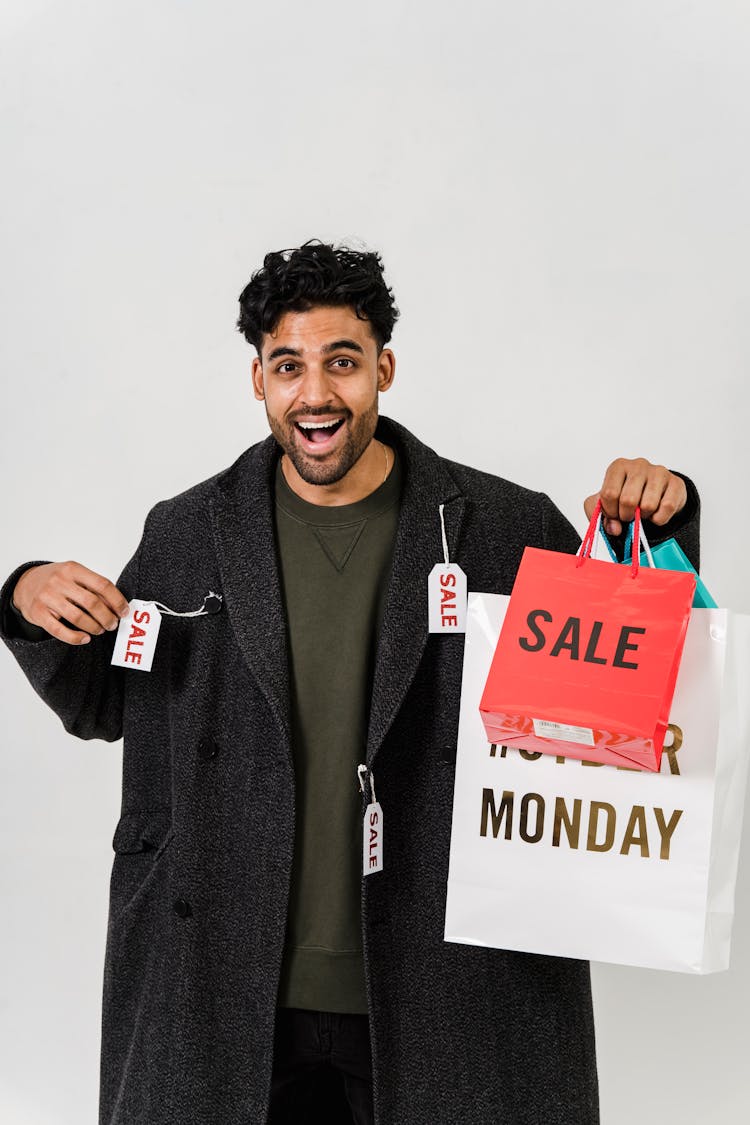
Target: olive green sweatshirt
[{"x": 334, "y": 563}]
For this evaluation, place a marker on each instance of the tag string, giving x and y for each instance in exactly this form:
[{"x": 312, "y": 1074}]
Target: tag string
[
  {"x": 361, "y": 772},
  {"x": 446, "y": 556},
  {"x": 202, "y": 612}
]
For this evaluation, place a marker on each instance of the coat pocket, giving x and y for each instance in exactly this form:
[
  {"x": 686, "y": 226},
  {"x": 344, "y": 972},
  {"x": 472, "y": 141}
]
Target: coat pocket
[
  {"x": 140, "y": 842},
  {"x": 142, "y": 1009}
]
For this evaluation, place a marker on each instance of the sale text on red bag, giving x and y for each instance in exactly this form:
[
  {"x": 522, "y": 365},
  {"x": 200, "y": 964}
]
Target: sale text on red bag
[
  {"x": 569, "y": 640},
  {"x": 587, "y": 659}
]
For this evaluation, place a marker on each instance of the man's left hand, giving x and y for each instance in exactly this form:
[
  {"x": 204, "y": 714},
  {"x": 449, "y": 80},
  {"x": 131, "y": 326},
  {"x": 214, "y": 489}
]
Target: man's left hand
[{"x": 629, "y": 484}]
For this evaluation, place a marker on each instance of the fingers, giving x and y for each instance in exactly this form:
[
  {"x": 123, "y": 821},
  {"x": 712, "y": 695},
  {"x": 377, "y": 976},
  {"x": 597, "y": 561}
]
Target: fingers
[
  {"x": 622, "y": 488},
  {"x": 70, "y": 601},
  {"x": 103, "y": 591},
  {"x": 87, "y": 612},
  {"x": 611, "y": 526},
  {"x": 629, "y": 484},
  {"x": 56, "y": 629},
  {"x": 672, "y": 501}
]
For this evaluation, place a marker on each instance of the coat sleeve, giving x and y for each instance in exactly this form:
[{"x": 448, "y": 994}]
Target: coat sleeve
[
  {"x": 77, "y": 681},
  {"x": 684, "y": 527}
]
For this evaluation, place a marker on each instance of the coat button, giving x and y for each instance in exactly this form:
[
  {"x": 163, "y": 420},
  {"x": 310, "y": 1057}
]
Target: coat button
[
  {"x": 207, "y": 748},
  {"x": 182, "y": 908}
]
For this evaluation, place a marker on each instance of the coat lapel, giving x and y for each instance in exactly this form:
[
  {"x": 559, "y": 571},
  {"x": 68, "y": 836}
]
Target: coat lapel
[
  {"x": 243, "y": 524},
  {"x": 418, "y": 546}
]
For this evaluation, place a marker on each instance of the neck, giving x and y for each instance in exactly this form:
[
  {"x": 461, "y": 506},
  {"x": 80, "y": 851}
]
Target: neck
[{"x": 364, "y": 477}]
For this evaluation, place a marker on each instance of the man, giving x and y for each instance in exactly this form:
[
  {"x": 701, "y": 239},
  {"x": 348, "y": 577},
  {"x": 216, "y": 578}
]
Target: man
[{"x": 245, "y": 948}]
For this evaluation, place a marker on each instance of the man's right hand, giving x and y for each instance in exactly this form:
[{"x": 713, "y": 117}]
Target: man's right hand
[{"x": 90, "y": 602}]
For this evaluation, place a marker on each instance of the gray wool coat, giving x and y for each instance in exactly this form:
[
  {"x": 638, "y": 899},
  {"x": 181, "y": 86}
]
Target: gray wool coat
[{"x": 461, "y": 1035}]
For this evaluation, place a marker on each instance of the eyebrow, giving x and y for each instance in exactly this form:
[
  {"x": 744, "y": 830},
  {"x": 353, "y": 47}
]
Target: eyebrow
[
  {"x": 283, "y": 350},
  {"x": 335, "y": 346},
  {"x": 349, "y": 345}
]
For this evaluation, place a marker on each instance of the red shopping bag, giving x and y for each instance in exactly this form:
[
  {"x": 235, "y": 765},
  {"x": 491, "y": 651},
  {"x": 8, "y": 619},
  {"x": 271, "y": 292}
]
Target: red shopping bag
[{"x": 587, "y": 659}]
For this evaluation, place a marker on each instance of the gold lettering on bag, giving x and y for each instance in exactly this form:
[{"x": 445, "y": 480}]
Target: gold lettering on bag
[
  {"x": 670, "y": 751},
  {"x": 572, "y": 825},
  {"x": 631, "y": 838},
  {"x": 529, "y": 755},
  {"x": 488, "y": 809},
  {"x": 523, "y": 828},
  {"x": 609, "y": 831},
  {"x": 666, "y": 831},
  {"x": 566, "y": 823}
]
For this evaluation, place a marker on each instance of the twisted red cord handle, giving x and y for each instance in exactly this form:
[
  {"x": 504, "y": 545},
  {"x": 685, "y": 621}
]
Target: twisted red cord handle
[{"x": 587, "y": 544}]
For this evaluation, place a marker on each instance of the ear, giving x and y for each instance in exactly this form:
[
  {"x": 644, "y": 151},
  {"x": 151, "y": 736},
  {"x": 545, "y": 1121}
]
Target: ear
[
  {"x": 386, "y": 369},
  {"x": 257, "y": 377}
]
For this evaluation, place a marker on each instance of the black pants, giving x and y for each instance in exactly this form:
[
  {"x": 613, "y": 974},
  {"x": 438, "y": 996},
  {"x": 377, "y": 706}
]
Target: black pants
[{"x": 321, "y": 1069}]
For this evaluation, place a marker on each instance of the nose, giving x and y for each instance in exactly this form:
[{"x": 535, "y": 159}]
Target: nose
[{"x": 315, "y": 388}]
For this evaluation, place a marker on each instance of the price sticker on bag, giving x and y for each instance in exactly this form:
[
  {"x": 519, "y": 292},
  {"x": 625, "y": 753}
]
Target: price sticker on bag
[{"x": 137, "y": 634}]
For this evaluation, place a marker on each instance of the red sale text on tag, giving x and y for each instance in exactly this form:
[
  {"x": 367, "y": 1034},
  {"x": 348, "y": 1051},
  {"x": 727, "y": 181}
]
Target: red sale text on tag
[
  {"x": 446, "y": 589},
  {"x": 136, "y": 637},
  {"x": 372, "y": 840}
]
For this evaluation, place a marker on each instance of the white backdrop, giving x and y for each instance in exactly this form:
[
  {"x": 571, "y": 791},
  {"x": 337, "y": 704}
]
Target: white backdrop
[{"x": 560, "y": 195}]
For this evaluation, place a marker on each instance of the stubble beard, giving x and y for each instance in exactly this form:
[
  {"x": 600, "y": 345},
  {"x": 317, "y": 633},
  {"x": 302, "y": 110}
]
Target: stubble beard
[{"x": 334, "y": 468}]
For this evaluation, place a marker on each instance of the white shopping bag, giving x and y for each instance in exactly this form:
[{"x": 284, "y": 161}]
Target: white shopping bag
[{"x": 551, "y": 855}]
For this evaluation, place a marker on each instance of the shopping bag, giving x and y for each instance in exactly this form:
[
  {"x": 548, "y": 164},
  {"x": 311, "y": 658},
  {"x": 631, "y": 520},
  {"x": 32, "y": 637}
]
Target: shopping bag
[
  {"x": 587, "y": 659},
  {"x": 561, "y": 856},
  {"x": 669, "y": 555}
]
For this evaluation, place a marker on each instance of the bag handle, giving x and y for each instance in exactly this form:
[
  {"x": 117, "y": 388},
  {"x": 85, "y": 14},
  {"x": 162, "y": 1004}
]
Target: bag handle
[
  {"x": 644, "y": 545},
  {"x": 636, "y": 534}
]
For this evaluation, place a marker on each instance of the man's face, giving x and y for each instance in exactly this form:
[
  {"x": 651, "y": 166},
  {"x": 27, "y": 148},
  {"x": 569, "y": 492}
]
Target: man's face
[{"x": 319, "y": 373}]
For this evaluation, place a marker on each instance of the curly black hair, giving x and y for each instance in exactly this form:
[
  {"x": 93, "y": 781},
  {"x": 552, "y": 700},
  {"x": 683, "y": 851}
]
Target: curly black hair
[{"x": 317, "y": 273}]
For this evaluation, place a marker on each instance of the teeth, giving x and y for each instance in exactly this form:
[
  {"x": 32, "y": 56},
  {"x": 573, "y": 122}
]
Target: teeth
[{"x": 318, "y": 425}]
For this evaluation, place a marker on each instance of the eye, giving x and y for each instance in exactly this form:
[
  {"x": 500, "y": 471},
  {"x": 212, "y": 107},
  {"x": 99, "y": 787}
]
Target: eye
[
  {"x": 343, "y": 362},
  {"x": 286, "y": 368}
]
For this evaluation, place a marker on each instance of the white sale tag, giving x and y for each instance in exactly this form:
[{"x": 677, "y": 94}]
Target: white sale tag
[
  {"x": 136, "y": 637},
  {"x": 446, "y": 588},
  {"x": 372, "y": 839}
]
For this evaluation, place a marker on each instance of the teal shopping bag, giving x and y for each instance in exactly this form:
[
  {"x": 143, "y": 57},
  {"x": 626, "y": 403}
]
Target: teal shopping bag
[{"x": 669, "y": 555}]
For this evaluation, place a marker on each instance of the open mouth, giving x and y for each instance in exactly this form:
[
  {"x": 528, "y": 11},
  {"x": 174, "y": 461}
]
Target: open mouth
[{"x": 319, "y": 433}]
